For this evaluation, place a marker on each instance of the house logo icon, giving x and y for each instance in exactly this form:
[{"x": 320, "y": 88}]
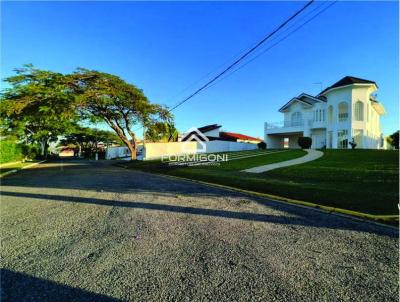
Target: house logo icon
[{"x": 194, "y": 134}]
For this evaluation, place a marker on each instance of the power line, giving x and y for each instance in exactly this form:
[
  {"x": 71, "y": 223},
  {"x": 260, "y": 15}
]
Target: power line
[
  {"x": 273, "y": 45},
  {"x": 216, "y": 69},
  {"x": 243, "y": 56},
  {"x": 251, "y": 50}
]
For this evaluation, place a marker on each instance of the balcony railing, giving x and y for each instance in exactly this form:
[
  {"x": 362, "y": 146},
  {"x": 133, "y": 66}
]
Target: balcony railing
[{"x": 284, "y": 124}]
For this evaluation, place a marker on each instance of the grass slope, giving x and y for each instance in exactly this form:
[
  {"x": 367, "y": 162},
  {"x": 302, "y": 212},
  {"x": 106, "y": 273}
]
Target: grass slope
[{"x": 359, "y": 180}]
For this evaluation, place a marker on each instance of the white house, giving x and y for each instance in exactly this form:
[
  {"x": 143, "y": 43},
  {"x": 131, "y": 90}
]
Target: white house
[{"x": 348, "y": 109}]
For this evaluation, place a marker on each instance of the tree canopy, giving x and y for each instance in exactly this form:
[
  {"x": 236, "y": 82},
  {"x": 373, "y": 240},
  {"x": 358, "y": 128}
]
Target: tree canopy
[
  {"x": 37, "y": 107},
  {"x": 119, "y": 104},
  {"x": 40, "y": 106},
  {"x": 161, "y": 132}
]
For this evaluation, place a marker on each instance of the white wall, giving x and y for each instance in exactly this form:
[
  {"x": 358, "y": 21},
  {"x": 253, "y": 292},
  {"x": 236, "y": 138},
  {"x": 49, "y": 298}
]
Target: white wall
[
  {"x": 117, "y": 152},
  {"x": 156, "y": 150},
  {"x": 274, "y": 141},
  {"x": 334, "y": 98},
  {"x": 294, "y": 141},
  {"x": 121, "y": 152},
  {"x": 318, "y": 137},
  {"x": 306, "y": 111},
  {"x": 225, "y": 146},
  {"x": 371, "y": 119}
]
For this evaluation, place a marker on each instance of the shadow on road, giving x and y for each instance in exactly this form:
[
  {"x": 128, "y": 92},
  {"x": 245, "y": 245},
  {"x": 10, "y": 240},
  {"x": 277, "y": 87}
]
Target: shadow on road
[
  {"x": 105, "y": 177},
  {"x": 323, "y": 221},
  {"x": 22, "y": 287}
]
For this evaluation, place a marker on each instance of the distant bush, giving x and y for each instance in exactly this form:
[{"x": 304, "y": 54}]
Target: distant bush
[
  {"x": 30, "y": 151},
  {"x": 10, "y": 151},
  {"x": 304, "y": 142},
  {"x": 262, "y": 145}
]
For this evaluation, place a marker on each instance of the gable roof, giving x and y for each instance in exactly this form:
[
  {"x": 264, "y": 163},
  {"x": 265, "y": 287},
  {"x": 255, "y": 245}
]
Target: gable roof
[
  {"x": 313, "y": 99},
  {"x": 305, "y": 99},
  {"x": 236, "y": 136},
  {"x": 209, "y": 128},
  {"x": 347, "y": 80}
]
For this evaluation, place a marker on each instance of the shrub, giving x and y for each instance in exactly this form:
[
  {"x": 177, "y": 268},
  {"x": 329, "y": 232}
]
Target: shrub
[
  {"x": 10, "y": 151},
  {"x": 353, "y": 144},
  {"x": 304, "y": 142},
  {"x": 30, "y": 151},
  {"x": 262, "y": 145}
]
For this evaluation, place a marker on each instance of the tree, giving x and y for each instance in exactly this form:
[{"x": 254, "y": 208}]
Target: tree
[
  {"x": 106, "y": 97},
  {"x": 394, "y": 139},
  {"x": 37, "y": 107},
  {"x": 161, "y": 132},
  {"x": 87, "y": 140}
]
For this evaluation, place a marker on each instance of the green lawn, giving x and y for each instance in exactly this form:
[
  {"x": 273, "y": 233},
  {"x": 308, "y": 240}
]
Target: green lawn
[{"x": 360, "y": 180}]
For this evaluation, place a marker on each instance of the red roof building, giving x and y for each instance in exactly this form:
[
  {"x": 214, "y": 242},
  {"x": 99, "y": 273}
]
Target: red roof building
[{"x": 239, "y": 137}]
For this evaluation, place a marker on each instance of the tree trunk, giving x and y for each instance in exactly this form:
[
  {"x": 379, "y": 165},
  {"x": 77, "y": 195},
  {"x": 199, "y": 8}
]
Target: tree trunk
[
  {"x": 132, "y": 148},
  {"x": 43, "y": 147},
  {"x": 120, "y": 132}
]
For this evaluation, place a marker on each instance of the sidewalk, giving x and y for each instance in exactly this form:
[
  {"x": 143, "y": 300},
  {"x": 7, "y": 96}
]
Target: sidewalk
[{"x": 310, "y": 156}]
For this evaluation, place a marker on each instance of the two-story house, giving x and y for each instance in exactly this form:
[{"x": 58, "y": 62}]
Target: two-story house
[{"x": 348, "y": 109}]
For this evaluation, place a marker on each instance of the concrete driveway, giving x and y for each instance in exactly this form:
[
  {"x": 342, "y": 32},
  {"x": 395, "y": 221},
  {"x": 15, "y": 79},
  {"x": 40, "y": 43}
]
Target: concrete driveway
[{"x": 91, "y": 231}]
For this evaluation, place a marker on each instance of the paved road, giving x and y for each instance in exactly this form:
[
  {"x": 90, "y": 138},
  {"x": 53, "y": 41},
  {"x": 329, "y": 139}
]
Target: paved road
[{"x": 90, "y": 231}]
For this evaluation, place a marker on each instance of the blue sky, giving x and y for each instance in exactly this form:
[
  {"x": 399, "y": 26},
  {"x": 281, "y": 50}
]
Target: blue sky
[{"x": 164, "y": 47}]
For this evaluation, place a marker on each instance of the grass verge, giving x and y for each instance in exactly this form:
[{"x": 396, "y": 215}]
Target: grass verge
[
  {"x": 6, "y": 169},
  {"x": 365, "y": 181}
]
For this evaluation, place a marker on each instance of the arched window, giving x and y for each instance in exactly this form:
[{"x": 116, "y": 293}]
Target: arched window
[
  {"x": 330, "y": 114},
  {"x": 343, "y": 112},
  {"x": 359, "y": 111},
  {"x": 296, "y": 119}
]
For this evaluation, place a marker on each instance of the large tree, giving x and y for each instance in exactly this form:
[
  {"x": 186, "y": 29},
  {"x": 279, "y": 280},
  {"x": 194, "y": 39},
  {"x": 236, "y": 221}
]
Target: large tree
[
  {"x": 37, "y": 106},
  {"x": 122, "y": 106}
]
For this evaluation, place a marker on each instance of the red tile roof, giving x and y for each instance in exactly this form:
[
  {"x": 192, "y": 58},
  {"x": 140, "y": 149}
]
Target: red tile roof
[{"x": 237, "y": 136}]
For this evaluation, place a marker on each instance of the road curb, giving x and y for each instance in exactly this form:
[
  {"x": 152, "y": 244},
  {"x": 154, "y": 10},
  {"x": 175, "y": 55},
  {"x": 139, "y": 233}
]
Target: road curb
[
  {"x": 304, "y": 204},
  {"x": 26, "y": 167},
  {"x": 349, "y": 214}
]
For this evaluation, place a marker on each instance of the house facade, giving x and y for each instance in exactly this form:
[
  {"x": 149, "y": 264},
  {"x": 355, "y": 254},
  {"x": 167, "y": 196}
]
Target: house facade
[{"x": 342, "y": 112}]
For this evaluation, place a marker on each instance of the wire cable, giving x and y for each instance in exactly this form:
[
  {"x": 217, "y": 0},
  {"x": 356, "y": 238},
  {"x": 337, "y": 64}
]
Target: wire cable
[
  {"x": 243, "y": 56},
  {"x": 273, "y": 45}
]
